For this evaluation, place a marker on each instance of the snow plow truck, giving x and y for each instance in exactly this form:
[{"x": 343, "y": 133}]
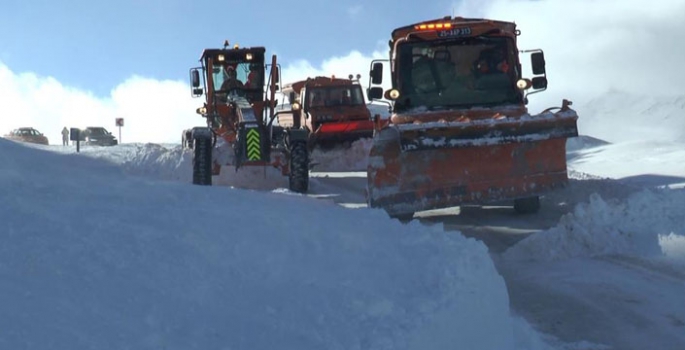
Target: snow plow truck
[
  {"x": 239, "y": 112},
  {"x": 333, "y": 110},
  {"x": 460, "y": 132}
]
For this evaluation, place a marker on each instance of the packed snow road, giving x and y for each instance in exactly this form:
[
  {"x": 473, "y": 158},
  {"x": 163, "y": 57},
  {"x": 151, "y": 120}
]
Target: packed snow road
[
  {"x": 599, "y": 267},
  {"x": 615, "y": 302}
]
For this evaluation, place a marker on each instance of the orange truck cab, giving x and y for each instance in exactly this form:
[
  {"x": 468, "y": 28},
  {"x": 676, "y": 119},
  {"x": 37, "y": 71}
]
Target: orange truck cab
[{"x": 333, "y": 110}]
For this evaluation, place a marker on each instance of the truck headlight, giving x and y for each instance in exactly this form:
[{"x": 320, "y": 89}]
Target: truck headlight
[
  {"x": 392, "y": 94},
  {"x": 524, "y": 84}
]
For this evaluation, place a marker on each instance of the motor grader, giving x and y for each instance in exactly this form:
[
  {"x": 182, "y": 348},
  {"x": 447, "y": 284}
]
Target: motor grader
[
  {"x": 460, "y": 132},
  {"x": 239, "y": 113},
  {"x": 334, "y": 110}
]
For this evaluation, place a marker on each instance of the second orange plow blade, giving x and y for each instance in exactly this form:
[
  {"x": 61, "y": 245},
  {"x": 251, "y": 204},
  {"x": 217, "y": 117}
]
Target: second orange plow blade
[{"x": 416, "y": 167}]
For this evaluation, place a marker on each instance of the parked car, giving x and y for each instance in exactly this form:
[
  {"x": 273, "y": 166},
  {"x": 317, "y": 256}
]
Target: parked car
[
  {"x": 30, "y": 135},
  {"x": 98, "y": 136}
]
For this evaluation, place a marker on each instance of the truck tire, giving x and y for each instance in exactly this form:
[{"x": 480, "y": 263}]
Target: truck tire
[
  {"x": 529, "y": 205},
  {"x": 202, "y": 161},
  {"x": 299, "y": 167}
]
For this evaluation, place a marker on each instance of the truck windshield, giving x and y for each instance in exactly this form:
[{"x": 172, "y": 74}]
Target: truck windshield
[
  {"x": 479, "y": 71},
  {"x": 247, "y": 76},
  {"x": 348, "y": 95}
]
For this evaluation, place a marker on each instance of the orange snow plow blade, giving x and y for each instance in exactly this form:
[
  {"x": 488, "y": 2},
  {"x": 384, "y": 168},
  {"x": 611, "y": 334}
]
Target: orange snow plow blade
[{"x": 417, "y": 167}]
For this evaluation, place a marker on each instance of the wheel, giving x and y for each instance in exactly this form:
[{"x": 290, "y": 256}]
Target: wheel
[
  {"x": 202, "y": 161},
  {"x": 299, "y": 167},
  {"x": 527, "y": 205}
]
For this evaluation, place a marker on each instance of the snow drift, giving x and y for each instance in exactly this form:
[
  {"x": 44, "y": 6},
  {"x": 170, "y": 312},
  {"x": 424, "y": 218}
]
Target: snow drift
[
  {"x": 648, "y": 224},
  {"x": 93, "y": 258}
]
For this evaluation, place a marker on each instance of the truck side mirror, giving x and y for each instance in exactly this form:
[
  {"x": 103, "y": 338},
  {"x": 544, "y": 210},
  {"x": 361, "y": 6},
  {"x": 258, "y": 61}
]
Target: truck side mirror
[
  {"x": 195, "y": 83},
  {"x": 291, "y": 97},
  {"x": 195, "y": 78},
  {"x": 538, "y": 62},
  {"x": 375, "y": 93},
  {"x": 539, "y": 83},
  {"x": 377, "y": 74}
]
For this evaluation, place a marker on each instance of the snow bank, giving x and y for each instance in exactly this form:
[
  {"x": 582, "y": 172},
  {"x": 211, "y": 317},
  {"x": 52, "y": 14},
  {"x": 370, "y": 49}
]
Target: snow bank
[
  {"x": 673, "y": 246},
  {"x": 158, "y": 162},
  {"x": 353, "y": 158},
  {"x": 648, "y": 223},
  {"x": 97, "y": 259},
  {"x": 169, "y": 162}
]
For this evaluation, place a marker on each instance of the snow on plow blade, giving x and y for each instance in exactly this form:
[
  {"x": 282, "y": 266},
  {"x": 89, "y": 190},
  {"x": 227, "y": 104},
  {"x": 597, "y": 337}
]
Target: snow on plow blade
[{"x": 416, "y": 167}]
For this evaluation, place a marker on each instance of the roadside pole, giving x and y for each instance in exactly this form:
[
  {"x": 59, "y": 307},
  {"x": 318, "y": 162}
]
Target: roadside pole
[{"x": 119, "y": 122}]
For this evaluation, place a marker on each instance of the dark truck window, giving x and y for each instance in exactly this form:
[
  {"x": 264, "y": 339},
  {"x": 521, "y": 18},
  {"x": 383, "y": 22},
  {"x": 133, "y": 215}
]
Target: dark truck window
[
  {"x": 350, "y": 95},
  {"x": 458, "y": 73}
]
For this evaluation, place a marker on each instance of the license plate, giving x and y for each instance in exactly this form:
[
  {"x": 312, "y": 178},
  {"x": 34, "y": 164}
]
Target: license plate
[{"x": 455, "y": 32}]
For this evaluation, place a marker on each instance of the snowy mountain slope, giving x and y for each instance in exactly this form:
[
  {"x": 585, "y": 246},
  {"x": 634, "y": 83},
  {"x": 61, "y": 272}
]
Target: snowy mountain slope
[
  {"x": 648, "y": 162},
  {"x": 618, "y": 116}
]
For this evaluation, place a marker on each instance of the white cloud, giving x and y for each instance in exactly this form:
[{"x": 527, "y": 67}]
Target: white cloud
[
  {"x": 594, "y": 46},
  {"x": 153, "y": 111},
  {"x": 354, "y": 63}
]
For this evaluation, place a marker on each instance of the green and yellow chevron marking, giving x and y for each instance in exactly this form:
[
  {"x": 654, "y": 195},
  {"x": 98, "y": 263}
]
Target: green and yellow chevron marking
[{"x": 254, "y": 147}]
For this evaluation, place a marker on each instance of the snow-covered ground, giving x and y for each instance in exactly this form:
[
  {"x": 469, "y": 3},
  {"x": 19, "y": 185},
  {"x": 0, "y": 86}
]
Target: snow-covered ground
[
  {"x": 113, "y": 248},
  {"x": 93, "y": 257},
  {"x": 610, "y": 274}
]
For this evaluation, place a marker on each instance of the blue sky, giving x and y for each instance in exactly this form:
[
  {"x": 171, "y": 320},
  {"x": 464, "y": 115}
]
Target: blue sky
[
  {"x": 95, "y": 45},
  {"x": 84, "y": 63}
]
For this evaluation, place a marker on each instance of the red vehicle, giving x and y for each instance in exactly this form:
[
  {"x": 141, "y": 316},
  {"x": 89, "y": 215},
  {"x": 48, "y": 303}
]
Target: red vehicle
[
  {"x": 29, "y": 135},
  {"x": 334, "y": 111}
]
